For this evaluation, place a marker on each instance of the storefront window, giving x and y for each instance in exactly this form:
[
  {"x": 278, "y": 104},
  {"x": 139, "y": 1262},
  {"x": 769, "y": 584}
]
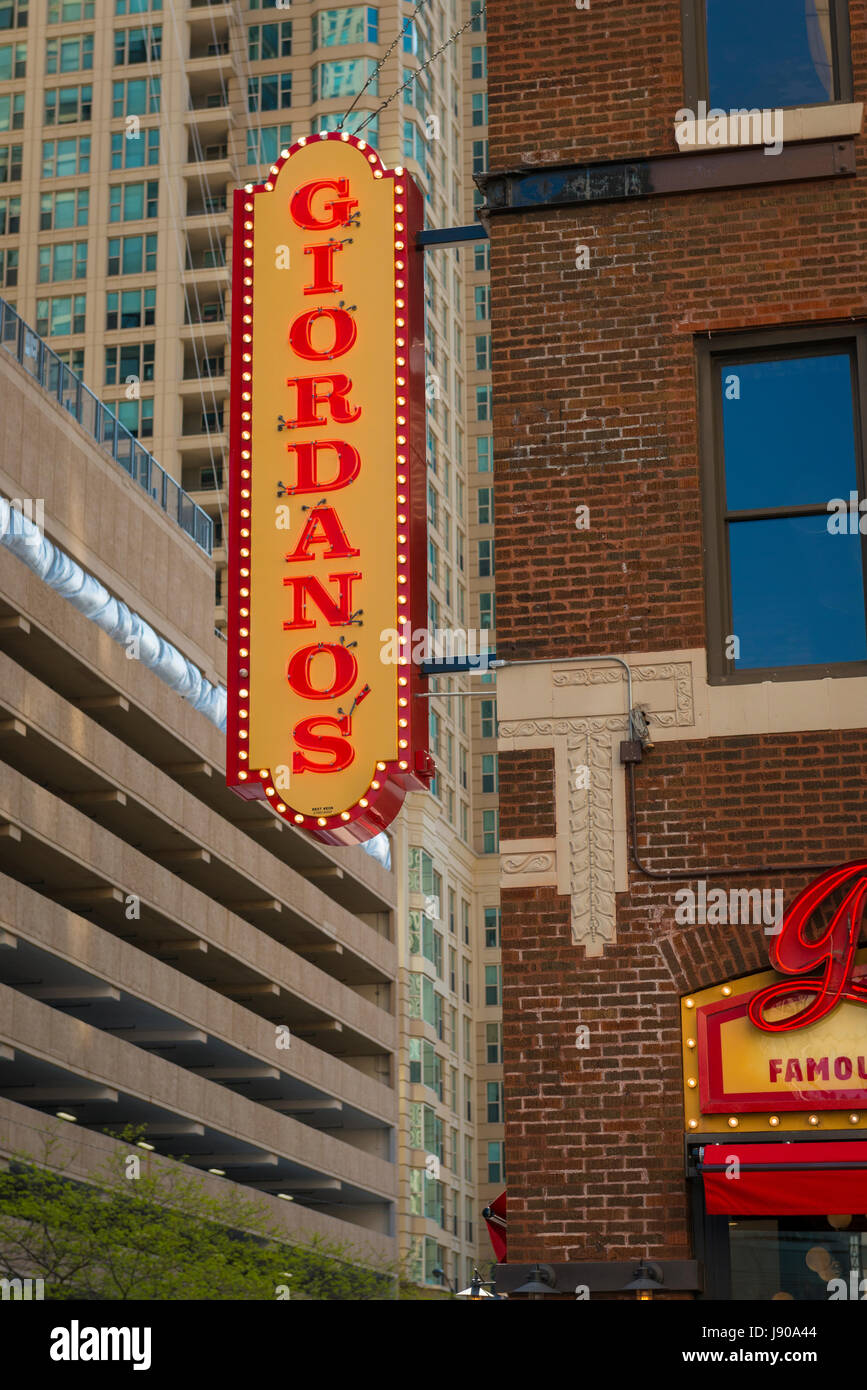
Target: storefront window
[{"x": 807, "y": 1259}]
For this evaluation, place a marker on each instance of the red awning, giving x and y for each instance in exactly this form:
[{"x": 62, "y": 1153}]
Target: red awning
[
  {"x": 495, "y": 1219},
  {"x": 785, "y": 1179}
]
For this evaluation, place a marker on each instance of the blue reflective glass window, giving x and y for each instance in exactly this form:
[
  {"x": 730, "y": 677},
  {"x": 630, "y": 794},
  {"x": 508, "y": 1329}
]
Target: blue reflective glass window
[
  {"x": 790, "y": 445},
  {"x": 777, "y": 53},
  {"x": 789, "y": 431},
  {"x": 797, "y": 593}
]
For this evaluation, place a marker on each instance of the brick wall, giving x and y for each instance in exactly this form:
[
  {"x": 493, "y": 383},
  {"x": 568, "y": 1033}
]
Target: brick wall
[
  {"x": 568, "y": 85},
  {"x": 594, "y": 1137},
  {"x": 530, "y": 774},
  {"x": 594, "y": 394},
  {"x": 594, "y": 370},
  {"x": 594, "y": 382}
]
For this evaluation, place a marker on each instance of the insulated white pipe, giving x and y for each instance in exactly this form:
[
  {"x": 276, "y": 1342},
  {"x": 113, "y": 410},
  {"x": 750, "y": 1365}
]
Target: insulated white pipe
[{"x": 84, "y": 592}]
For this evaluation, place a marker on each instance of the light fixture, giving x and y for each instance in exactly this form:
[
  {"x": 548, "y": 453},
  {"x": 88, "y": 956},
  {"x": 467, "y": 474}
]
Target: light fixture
[
  {"x": 646, "y": 1281},
  {"x": 286, "y": 1196},
  {"x": 541, "y": 1282},
  {"x": 220, "y": 1172},
  {"x": 820, "y": 1261},
  {"x": 476, "y": 1288},
  {"x": 143, "y": 1144},
  {"x": 63, "y": 1115},
  {"x": 839, "y": 1222}
]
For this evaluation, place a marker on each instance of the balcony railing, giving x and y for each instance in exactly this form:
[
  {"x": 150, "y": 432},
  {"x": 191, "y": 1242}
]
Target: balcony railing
[
  {"x": 210, "y": 50},
  {"x": 207, "y": 207},
  {"x": 210, "y": 479},
  {"x": 208, "y": 422},
  {"x": 46, "y": 368},
  {"x": 198, "y": 314},
  {"x": 209, "y": 153},
  {"x": 205, "y": 368},
  {"x": 208, "y": 101},
  {"x": 206, "y": 260}
]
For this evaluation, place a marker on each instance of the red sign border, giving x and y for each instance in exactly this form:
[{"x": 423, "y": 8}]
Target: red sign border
[
  {"x": 378, "y": 807},
  {"x": 714, "y": 1099}
]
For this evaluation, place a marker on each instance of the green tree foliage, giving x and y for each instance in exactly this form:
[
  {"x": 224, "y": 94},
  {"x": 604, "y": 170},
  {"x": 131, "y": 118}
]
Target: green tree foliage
[{"x": 147, "y": 1230}]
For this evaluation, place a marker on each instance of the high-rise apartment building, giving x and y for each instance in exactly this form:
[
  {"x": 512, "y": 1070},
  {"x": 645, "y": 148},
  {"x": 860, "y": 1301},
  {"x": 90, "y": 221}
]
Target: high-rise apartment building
[
  {"x": 124, "y": 126},
  {"x": 452, "y": 1073}
]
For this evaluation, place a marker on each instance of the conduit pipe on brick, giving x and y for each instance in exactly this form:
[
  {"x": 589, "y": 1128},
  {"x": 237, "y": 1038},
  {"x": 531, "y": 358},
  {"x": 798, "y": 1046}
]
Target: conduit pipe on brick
[
  {"x": 675, "y": 876},
  {"x": 663, "y": 875},
  {"x": 566, "y": 660},
  {"x": 67, "y": 578}
]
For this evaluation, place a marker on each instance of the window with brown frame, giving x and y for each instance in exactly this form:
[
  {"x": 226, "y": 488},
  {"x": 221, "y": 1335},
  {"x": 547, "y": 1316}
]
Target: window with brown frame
[
  {"x": 739, "y": 54},
  {"x": 784, "y": 480}
]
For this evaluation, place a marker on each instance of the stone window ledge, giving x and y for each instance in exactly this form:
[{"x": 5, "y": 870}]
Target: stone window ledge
[{"x": 833, "y": 121}]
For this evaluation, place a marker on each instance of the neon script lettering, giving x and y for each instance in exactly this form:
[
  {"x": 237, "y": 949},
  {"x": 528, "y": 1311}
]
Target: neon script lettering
[{"x": 832, "y": 950}]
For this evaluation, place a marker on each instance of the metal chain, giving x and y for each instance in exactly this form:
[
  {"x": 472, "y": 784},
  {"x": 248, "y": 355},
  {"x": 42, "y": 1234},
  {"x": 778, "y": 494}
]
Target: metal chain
[
  {"x": 419, "y": 71},
  {"x": 376, "y": 71}
]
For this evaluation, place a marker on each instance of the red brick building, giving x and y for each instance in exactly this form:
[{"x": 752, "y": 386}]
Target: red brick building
[{"x": 677, "y": 206}]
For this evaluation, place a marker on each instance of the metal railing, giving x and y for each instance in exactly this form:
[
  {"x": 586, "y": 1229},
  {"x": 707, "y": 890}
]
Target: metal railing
[
  {"x": 53, "y": 375},
  {"x": 207, "y": 207},
  {"x": 206, "y": 261},
  {"x": 209, "y": 101}
]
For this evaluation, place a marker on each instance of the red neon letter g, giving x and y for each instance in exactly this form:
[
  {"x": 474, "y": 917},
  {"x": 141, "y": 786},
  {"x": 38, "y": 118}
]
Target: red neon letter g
[{"x": 340, "y": 207}]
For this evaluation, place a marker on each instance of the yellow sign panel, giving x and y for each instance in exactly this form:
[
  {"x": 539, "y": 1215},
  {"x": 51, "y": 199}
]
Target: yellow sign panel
[
  {"x": 328, "y": 490},
  {"x": 739, "y": 1077}
]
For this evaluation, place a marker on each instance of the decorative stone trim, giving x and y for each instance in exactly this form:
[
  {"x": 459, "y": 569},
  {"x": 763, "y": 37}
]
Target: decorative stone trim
[
  {"x": 528, "y": 863},
  {"x": 587, "y": 721},
  {"x": 580, "y": 711},
  {"x": 591, "y": 843},
  {"x": 678, "y": 673}
]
